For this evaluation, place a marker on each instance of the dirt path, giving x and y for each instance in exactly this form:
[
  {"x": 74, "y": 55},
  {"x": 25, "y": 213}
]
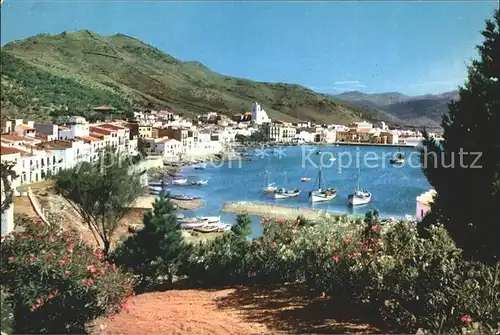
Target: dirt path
[{"x": 242, "y": 310}]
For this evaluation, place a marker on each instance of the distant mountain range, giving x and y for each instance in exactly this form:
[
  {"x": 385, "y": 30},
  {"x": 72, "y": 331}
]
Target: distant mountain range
[
  {"x": 46, "y": 76},
  {"x": 418, "y": 111}
]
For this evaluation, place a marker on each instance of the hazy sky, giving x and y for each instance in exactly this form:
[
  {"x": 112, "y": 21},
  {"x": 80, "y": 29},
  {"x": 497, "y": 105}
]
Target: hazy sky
[{"x": 332, "y": 46}]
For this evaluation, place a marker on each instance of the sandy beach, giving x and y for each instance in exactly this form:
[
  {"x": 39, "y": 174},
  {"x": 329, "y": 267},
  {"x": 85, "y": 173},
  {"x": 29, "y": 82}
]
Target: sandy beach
[
  {"x": 277, "y": 211},
  {"x": 146, "y": 202}
]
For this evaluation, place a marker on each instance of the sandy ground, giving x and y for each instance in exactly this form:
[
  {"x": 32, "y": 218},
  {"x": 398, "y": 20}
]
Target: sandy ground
[
  {"x": 276, "y": 211},
  {"x": 241, "y": 310},
  {"x": 148, "y": 200}
]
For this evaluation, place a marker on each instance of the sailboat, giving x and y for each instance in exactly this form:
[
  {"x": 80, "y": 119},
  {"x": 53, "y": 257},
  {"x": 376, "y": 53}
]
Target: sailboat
[
  {"x": 271, "y": 187},
  {"x": 399, "y": 159},
  {"x": 285, "y": 193},
  {"x": 332, "y": 158},
  {"x": 323, "y": 194},
  {"x": 359, "y": 197}
]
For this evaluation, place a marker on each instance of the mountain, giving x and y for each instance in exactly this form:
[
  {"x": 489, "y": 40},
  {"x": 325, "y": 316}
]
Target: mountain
[
  {"x": 46, "y": 76},
  {"x": 417, "y": 111}
]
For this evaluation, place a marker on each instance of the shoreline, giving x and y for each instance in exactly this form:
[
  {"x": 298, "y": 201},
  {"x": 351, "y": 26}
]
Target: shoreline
[{"x": 279, "y": 211}]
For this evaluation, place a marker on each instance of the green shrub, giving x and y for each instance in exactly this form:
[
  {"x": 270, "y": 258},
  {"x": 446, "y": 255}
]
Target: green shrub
[
  {"x": 57, "y": 282},
  {"x": 156, "y": 250},
  {"x": 7, "y": 314}
]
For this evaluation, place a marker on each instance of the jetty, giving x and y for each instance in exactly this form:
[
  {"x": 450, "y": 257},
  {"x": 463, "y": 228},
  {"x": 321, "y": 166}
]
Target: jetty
[{"x": 278, "y": 211}]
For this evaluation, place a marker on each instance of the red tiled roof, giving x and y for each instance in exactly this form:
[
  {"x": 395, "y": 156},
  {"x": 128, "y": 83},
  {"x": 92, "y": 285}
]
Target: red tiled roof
[
  {"x": 9, "y": 150},
  {"x": 101, "y": 130},
  {"x": 57, "y": 144},
  {"x": 88, "y": 139},
  {"x": 167, "y": 140},
  {"x": 97, "y": 135},
  {"x": 12, "y": 137},
  {"x": 110, "y": 126},
  {"x": 25, "y": 127}
]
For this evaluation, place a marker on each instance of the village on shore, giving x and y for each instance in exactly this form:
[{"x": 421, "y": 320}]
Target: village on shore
[{"x": 39, "y": 149}]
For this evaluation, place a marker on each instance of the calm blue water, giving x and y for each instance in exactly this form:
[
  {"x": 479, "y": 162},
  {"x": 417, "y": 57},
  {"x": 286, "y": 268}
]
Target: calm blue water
[{"x": 394, "y": 189}]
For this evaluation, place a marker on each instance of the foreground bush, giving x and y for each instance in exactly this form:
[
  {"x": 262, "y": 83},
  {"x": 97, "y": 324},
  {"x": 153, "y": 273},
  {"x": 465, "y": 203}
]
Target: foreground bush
[
  {"x": 223, "y": 260},
  {"x": 57, "y": 282},
  {"x": 7, "y": 314},
  {"x": 413, "y": 282}
]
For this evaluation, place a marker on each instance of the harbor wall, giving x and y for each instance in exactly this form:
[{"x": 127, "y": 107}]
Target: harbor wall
[{"x": 277, "y": 211}]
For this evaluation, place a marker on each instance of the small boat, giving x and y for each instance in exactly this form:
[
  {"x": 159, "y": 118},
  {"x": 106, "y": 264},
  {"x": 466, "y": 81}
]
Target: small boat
[
  {"x": 179, "y": 216},
  {"x": 157, "y": 183},
  {"x": 359, "y": 197},
  {"x": 208, "y": 228},
  {"x": 155, "y": 188},
  {"x": 271, "y": 187},
  {"x": 193, "y": 225},
  {"x": 183, "y": 197},
  {"x": 224, "y": 227},
  {"x": 304, "y": 180},
  {"x": 323, "y": 194},
  {"x": 210, "y": 219},
  {"x": 201, "y": 166},
  {"x": 284, "y": 193},
  {"x": 200, "y": 182},
  {"x": 398, "y": 160},
  {"x": 193, "y": 220},
  {"x": 332, "y": 158},
  {"x": 180, "y": 181},
  {"x": 318, "y": 152}
]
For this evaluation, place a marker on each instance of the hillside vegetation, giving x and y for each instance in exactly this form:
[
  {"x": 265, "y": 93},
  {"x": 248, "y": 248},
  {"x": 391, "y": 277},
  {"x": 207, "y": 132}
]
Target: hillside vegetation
[{"x": 50, "y": 75}]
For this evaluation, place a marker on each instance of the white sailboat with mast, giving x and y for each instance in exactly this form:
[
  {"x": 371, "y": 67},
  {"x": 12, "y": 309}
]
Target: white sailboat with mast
[
  {"x": 322, "y": 194},
  {"x": 271, "y": 187},
  {"x": 359, "y": 197},
  {"x": 285, "y": 193}
]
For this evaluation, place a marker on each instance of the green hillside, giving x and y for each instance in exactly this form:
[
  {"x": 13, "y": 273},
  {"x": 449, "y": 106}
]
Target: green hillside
[{"x": 50, "y": 75}]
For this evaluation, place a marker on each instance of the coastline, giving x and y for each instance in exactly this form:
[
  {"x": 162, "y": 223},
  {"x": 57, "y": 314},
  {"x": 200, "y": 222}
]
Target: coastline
[{"x": 278, "y": 211}]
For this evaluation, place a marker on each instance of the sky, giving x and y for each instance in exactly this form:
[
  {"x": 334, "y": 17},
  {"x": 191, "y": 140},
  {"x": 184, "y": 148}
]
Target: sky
[{"x": 412, "y": 47}]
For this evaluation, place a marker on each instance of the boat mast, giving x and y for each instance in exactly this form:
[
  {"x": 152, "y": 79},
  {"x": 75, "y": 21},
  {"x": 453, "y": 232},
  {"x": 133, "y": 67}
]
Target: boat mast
[
  {"x": 358, "y": 177},
  {"x": 319, "y": 179},
  {"x": 285, "y": 181}
]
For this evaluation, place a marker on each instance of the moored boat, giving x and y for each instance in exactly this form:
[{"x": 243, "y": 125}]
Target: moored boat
[
  {"x": 322, "y": 194},
  {"x": 359, "y": 197},
  {"x": 179, "y": 181},
  {"x": 201, "y": 166},
  {"x": 284, "y": 193}
]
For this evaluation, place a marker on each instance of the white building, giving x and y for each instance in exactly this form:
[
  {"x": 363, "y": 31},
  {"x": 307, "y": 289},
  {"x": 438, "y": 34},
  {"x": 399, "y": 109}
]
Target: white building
[
  {"x": 304, "y": 137},
  {"x": 75, "y": 130},
  {"x": 259, "y": 116},
  {"x": 167, "y": 147}
]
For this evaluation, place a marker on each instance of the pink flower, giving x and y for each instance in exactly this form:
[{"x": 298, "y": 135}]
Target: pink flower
[
  {"x": 12, "y": 259},
  {"x": 124, "y": 306},
  {"x": 69, "y": 250},
  {"x": 88, "y": 282},
  {"x": 275, "y": 244},
  {"x": 63, "y": 261},
  {"x": 91, "y": 268},
  {"x": 32, "y": 257},
  {"x": 466, "y": 318},
  {"x": 335, "y": 258},
  {"x": 113, "y": 266}
]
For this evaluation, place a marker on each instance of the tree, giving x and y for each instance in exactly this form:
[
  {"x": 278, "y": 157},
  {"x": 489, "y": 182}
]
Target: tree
[
  {"x": 243, "y": 225},
  {"x": 7, "y": 175},
  {"x": 157, "y": 249},
  {"x": 464, "y": 168},
  {"x": 101, "y": 193},
  {"x": 141, "y": 147}
]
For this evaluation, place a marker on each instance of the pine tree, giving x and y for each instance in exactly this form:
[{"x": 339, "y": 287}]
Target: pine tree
[
  {"x": 157, "y": 249},
  {"x": 464, "y": 168}
]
